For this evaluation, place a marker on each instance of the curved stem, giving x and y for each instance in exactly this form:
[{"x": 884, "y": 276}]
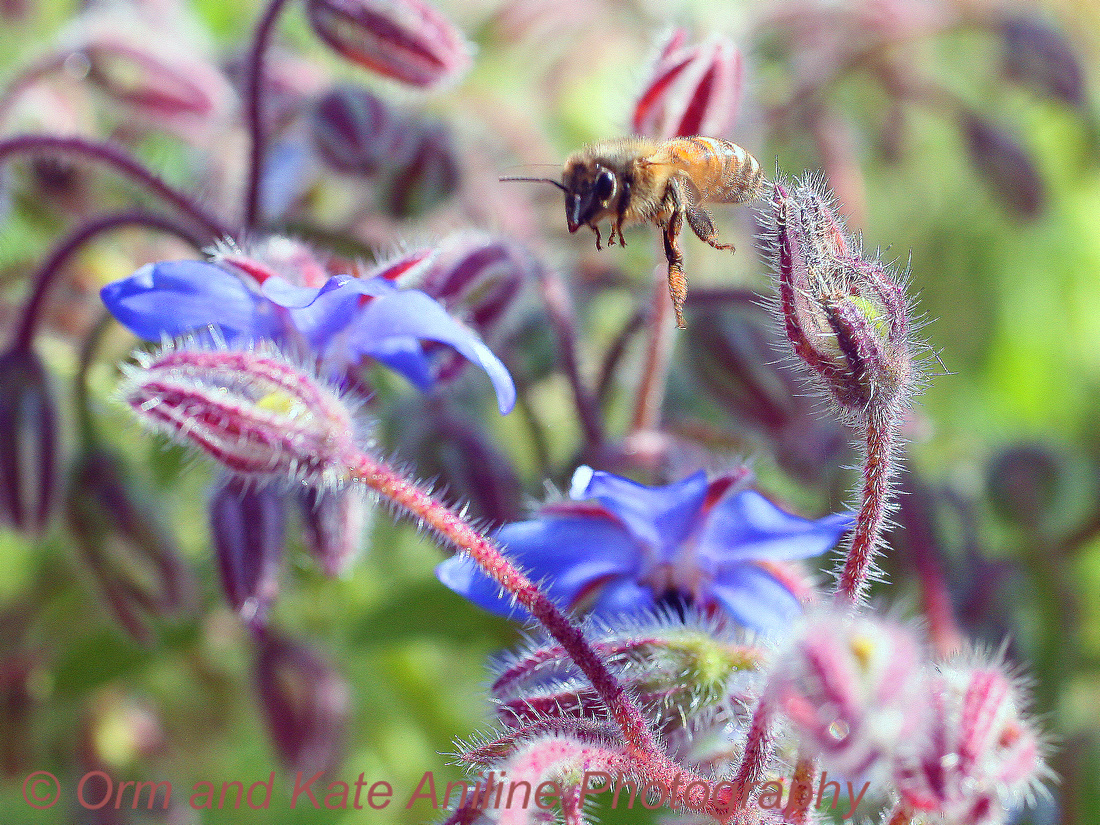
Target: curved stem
[
  {"x": 878, "y": 468},
  {"x": 254, "y": 94},
  {"x": 615, "y": 354},
  {"x": 560, "y": 309},
  {"x": 758, "y": 752},
  {"x": 123, "y": 163},
  {"x": 660, "y": 328},
  {"x": 85, "y": 426},
  {"x": 47, "y": 272}
]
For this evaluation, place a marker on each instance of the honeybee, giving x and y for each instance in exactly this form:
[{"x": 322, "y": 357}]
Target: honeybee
[{"x": 637, "y": 180}]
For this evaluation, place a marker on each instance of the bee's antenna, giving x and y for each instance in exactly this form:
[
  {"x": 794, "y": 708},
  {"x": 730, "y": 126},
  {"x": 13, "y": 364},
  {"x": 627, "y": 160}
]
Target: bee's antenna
[{"x": 537, "y": 180}]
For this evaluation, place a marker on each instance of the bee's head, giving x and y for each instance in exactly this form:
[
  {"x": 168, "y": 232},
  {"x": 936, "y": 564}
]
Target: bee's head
[{"x": 591, "y": 192}]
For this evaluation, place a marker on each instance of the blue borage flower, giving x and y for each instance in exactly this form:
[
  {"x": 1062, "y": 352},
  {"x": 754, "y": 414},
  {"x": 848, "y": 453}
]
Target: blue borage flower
[
  {"x": 707, "y": 544},
  {"x": 340, "y": 321}
]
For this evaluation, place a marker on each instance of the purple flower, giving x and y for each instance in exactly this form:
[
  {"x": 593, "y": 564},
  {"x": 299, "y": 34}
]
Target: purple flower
[
  {"x": 339, "y": 320},
  {"x": 695, "y": 542}
]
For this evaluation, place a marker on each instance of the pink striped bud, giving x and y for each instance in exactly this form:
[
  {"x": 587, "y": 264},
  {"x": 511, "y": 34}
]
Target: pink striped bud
[
  {"x": 248, "y": 529},
  {"x": 28, "y": 442},
  {"x": 982, "y": 756},
  {"x": 251, "y": 411},
  {"x": 305, "y": 703},
  {"x": 477, "y": 277},
  {"x": 692, "y": 89},
  {"x": 358, "y": 133},
  {"x": 405, "y": 40},
  {"x": 852, "y": 687},
  {"x": 163, "y": 80}
]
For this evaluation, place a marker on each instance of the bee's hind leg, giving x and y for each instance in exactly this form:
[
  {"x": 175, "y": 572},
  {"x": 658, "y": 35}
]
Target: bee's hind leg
[
  {"x": 677, "y": 283},
  {"x": 701, "y": 224},
  {"x": 596, "y": 229}
]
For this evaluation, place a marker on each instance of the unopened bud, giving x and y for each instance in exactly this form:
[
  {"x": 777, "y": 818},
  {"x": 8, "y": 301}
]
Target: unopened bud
[
  {"x": 692, "y": 90},
  {"x": 1005, "y": 165},
  {"x": 132, "y": 558},
  {"x": 428, "y": 175},
  {"x": 405, "y": 40},
  {"x": 357, "y": 132},
  {"x": 845, "y": 316},
  {"x": 305, "y": 704},
  {"x": 163, "y": 82},
  {"x": 1039, "y": 55},
  {"x": 852, "y": 688},
  {"x": 251, "y": 411},
  {"x": 334, "y": 524},
  {"x": 982, "y": 756},
  {"x": 248, "y": 529},
  {"x": 28, "y": 442}
]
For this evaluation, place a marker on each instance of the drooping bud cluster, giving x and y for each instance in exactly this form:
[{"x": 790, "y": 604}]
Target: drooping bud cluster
[
  {"x": 954, "y": 739},
  {"x": 846, "y": 316},
  {"x": 125, "y": 546}
]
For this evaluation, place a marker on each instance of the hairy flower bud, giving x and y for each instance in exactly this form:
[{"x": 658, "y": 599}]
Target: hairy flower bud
[
  {"x": 28, "y": 442},
  {"x": 406, "y": 40},
  {"x": 248, "y": 529},
  {"x": 678, "y": 669},
  {"x": 305, "y": 704},
  {"x": 852, "y": 688},
  {"x": 132, "y": 558},
  {"x": 692, "y": 89},
  {"x": 1005, "y": 165},
  {"x": 250, "y": 410},
  {"x": 845, "y": 316},
  {"x": 982, "y": 756}
]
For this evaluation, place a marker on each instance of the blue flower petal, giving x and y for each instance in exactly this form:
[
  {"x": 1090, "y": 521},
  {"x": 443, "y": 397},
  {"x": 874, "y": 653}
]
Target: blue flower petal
[
  {"x": 623, "y": 596},
  {"x": 409, "y": 312},
  {"x": 584, "y": 551},
  {"x": 746, "y": 526},
  {"x": 405, "y": 355},
  {"x": 176, "y": 297},
  {"x": 755, "y": 598},
  {"x": 662, "y": 517}
]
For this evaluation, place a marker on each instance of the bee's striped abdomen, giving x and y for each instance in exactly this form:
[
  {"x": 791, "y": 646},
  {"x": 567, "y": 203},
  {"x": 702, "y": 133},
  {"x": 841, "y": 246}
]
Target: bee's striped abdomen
[{"x": 721, "y": 171}]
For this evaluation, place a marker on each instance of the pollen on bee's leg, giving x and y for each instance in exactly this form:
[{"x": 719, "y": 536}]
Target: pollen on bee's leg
[{"x": 677, "y": 290}]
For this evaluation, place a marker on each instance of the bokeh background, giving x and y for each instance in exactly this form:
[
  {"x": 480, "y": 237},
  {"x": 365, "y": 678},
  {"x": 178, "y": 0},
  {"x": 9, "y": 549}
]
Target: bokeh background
[{"x": 960, "y": 137}]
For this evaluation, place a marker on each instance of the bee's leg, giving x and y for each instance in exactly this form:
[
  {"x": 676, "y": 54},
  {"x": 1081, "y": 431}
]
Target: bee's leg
[
  {"x": 701, "y": 224},
  {"x": 596, "y": 229},
  {"x": 677, "y": 283},
  {"x": 617, "y": 229}
]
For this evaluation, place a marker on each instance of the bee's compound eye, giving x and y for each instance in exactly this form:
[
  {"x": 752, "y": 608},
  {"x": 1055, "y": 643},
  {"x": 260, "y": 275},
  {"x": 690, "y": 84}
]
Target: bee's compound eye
[{"x": 604, "y": 186}]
